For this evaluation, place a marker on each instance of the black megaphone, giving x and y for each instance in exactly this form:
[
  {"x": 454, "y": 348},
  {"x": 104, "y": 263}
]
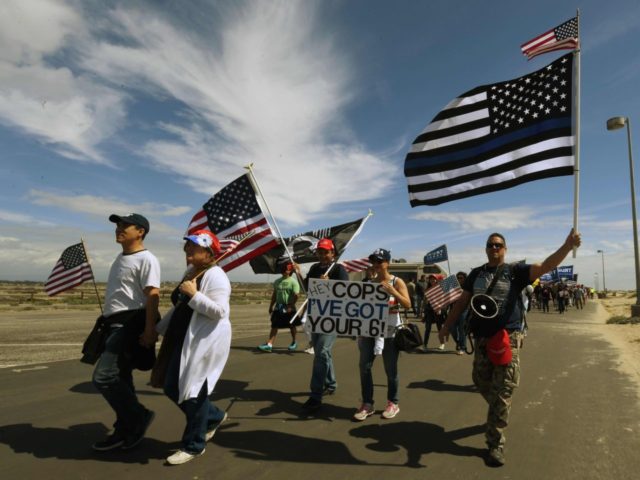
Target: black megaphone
[{"x": 484, "y": 306}]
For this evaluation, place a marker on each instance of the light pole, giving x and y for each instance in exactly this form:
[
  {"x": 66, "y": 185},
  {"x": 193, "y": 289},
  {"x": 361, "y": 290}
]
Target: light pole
[
  {"x": 604, "y": 284},
  {"x": 614, "y": 124}
]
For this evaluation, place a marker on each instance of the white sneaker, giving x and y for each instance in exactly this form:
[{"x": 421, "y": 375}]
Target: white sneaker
[
  {"x": 441, "y": 347},
  {"x": 365, "y": 410},
  {"x": 391, "y": 410},
  {"x": 310, "y": 351},
  {"x": 181, "y": 457},
  {"x": 209, "y": 435}
]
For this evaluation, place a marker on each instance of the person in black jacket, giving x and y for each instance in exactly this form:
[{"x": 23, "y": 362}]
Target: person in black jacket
[{"x": 323, "y": 377}]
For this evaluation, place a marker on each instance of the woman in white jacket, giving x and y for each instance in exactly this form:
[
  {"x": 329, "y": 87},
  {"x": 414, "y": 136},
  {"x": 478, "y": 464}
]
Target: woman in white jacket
[{"x": 198, "y": 332}]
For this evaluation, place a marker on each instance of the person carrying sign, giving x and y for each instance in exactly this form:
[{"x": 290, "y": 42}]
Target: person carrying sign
[
  {"x": 496, "y": 371},
  {"x": 398, "y": 296},
  {"x": 323, "y": 377}
]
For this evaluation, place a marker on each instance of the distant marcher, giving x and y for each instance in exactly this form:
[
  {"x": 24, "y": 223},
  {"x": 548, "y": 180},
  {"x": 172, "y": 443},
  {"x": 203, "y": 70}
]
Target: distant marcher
[
  {"x": 460, "y": 327},
  {"x": 282, "y": 307},
  {"x": 398, "y": 296},
  {"x": 421, "y": 286},
  {"x": 323, "y": 377},
  {"x": 545, "y": 296},
  {"x": 578, "y": 295},
  {"x": 198, "y": 332},
  {"x": 411, "y": 288},
  {"x": 130, "y": 314},
  {"x": 497, "y": 382},
  {"x": 430, "y": 315}
]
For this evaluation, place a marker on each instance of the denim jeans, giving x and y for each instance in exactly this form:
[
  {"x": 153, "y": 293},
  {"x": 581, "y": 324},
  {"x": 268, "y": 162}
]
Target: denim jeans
[
  {"x": 459, "y": 332},
  {"x": 201, "y": 414},
  {"x": 390, "y": 359},
  {"x": 113, "y": 379},
  {"x": 323, "y": 375}
]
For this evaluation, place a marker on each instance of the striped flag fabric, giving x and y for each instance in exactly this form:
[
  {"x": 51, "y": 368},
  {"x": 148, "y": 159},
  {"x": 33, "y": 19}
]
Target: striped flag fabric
[
  {"x": 444, "y": 293},
  {"x": 562, "y": 37},
  {"x": 357, "y": 265},
  {"x": 71, "y": 270},
  {"x": 236, "y": 218},
  {"x": 495, "y": 137}
]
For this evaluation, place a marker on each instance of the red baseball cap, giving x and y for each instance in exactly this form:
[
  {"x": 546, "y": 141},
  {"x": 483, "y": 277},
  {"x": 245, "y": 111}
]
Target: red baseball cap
[
  {"x": 206, "y": 239},
  {"x": 325, "y": 244},
  {"x": 499, "y": 348}
]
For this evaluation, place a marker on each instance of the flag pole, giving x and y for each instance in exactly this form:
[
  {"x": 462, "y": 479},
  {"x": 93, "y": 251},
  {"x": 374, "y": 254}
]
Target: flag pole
[
  {"x": 254, "y": 182},
  {"x": 93, "y": 277},
  {"x": 576, "y": 166}
]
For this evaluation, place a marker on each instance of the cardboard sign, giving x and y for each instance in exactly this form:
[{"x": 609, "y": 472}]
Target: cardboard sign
[{"x": 347, "y": 308}]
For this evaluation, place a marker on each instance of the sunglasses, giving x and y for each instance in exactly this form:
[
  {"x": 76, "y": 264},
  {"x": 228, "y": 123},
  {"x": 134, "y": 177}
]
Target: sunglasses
[{"x": 497, "y": 246}]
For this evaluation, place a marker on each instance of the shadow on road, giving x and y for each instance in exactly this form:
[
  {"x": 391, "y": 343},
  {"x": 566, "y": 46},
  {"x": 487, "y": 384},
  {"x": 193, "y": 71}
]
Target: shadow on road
[
  {"x": 75, "y": 442},
  {"x": 418, "y": 438},
  {"x": 87, "y": 387},
  {"x": 267, "y": 445},
  {"x": 440, "y": 386}
]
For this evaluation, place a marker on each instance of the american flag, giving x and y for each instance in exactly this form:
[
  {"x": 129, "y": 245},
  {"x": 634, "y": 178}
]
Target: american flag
[
  {"x": 444, "y": 292},
  {"x": 495, "y": 137},
  {"x": 563, "y": 37},
  {"x": 235, "y": 216},
  {"x": 71, "y": 270},
  {"x": 357, "y": 265}
]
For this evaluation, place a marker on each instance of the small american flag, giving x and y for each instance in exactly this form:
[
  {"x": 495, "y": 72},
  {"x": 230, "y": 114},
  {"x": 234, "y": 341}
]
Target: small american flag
[
  {"x": 563, "y": 37},
  {"x": 71, "y": 270},
  {"x": 358, "y": 265},
  {"x": 444, "y": 292},
  {"x": 235, "y": 216}
]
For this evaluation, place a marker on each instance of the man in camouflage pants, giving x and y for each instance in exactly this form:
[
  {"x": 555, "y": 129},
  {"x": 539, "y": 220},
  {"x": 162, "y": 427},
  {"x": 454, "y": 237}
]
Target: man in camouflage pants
[{"x": 497, "y": 383}]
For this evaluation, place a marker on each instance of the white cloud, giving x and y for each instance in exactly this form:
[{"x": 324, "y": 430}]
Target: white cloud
[
  {"x": 501, "y": 219},
  {"x": 21, "y": 219},
  {"x": 61, "y": 108},
  {"x": 268, "y": 89}
]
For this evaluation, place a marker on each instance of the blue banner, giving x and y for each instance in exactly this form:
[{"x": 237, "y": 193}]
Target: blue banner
[
  {"x": 565, "y": 271},
  {"x": 437, "y": 255}
]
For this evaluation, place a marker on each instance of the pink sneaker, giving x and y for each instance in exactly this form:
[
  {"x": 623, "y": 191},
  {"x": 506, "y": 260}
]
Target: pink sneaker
[
  {"x": 365, "y": 410},
  {"x": 391, "y": 410}
]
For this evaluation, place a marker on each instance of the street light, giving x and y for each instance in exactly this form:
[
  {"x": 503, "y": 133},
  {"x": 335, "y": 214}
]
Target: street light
[
  {"x": 614, "y": 124},
  {"x": 604, "y": 284}
]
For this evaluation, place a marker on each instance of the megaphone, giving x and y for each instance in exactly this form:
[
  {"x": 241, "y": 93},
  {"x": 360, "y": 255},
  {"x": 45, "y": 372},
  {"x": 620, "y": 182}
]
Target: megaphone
[{"x": 484, "y": 306}]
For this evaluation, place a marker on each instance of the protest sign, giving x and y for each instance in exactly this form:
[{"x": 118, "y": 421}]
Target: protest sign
[{"x": 347, "y": 308}]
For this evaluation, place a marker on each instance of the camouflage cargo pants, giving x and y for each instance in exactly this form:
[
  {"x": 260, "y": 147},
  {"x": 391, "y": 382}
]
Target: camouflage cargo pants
[{"x": 497, "y": 384}]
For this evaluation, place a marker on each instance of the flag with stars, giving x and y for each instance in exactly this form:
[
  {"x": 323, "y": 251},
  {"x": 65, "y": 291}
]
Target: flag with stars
[
  {"x": 563, "y": 37},
  {"x": 444, "y": 293},
  {"x": 71, "y": 270},
  {"x": 236, "y": 218},
  {"x": 496, "y": 137}
]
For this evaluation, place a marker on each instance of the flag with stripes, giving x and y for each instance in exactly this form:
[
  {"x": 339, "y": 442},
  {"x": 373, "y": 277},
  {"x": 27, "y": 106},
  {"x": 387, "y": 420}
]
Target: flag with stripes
[
  {"x": 303, "y": 246},
  {"x": 71, "y": 270},
  {"x": 444, "y": 293},
  {"x": 236, "y": 218},
  {"x": 496, "y": 137},
  {"x": 563, "y": 37},
  {"x": 357, "y": 265}
]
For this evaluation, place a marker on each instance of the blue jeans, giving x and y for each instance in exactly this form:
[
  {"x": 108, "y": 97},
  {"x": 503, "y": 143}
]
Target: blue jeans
[
  {"x": 323, "y": 375},
  {"x": 390, "y": 359},
  {"x": 459, "y": 332},
  {"x": 113, "y": 379},
  {"x": 201, "y": 414}
]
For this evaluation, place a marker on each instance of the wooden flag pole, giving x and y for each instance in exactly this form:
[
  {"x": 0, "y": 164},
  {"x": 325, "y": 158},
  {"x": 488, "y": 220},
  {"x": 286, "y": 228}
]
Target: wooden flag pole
[
  {"x": 576, "y": 166},
  {"x": 93, "y": 277}
]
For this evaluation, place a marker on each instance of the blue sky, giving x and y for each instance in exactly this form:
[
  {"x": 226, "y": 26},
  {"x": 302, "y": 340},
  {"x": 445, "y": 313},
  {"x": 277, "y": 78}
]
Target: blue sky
[{"x": 113, "y": 107}]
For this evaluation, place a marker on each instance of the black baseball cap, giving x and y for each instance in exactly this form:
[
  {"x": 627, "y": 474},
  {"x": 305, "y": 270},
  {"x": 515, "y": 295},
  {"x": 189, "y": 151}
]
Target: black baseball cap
[
  {"x": 381, "y": 255},
  {"x": 132, "y": 219}
]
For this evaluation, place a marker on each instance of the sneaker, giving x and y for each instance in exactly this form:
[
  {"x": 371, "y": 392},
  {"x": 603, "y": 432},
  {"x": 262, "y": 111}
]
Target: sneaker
[
  {"x": 115, "y": 440},
  {"x": 212, "y": 431},
  {"x": 460, "y": 352},
  {"x": 495, "y": 457},
  {"x": 265, "y": 347},
  {"x": 329, "y": 390},
  {"x": 311, "y": 405},
  {"x": 441, "y": 347},
  {"x": 391, "y": 410},
  {"x": 181, "y": 457},
  {"x": 135, "y": 438},
  {"x": 310, "y": 351},
  {"x": 365, "y": 410},
  {"x": 293, "y": 347}
]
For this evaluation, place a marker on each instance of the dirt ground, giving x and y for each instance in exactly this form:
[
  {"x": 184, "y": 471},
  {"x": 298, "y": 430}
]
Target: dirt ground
[{"x": 625, "y": 337}]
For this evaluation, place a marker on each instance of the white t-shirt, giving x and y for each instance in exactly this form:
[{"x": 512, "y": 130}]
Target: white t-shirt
[{"x": 130, "y": 274}]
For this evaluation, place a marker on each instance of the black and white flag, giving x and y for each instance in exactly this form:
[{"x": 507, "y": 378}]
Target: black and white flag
[{"x": 496, "y": 137}]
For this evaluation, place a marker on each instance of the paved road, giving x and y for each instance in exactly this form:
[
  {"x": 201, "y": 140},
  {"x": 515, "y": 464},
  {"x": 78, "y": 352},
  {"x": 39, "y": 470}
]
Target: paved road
[{"x": 574, "y": 417}]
